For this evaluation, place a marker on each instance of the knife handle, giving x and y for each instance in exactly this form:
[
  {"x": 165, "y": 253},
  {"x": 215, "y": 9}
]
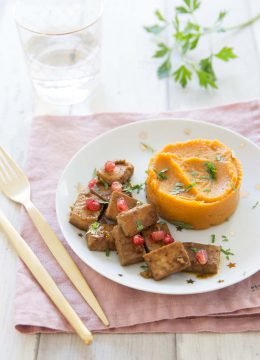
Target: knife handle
[
  {"x": 44, "y": 279},
  {"x": 65, "y": 260}
]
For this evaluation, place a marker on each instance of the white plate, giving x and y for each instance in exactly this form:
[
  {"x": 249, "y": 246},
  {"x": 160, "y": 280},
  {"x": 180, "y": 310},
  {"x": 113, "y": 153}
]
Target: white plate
[{"x": 242, "y": 229}]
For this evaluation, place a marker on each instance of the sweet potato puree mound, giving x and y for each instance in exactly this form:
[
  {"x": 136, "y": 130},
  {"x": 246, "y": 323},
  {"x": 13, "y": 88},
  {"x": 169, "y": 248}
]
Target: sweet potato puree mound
[{"x": 195, "y": 182}]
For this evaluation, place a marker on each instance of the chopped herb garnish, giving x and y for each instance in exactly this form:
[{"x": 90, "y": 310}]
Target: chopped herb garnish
[
  {"x": 147, "y": 147},
  {"x": 194, "y": 173},
  {"x": 226, "y": 252},
  {"x": 207, "y": 190},
  {"x": 145, "y": 266},
  {"x": 213, "y": 238},
  {"x": 255, "y": 205},
  {"x": 130, "y": 188},
  {"x": 107, "y": 252},
  {"x": 220, "y": 158},
  {"x": 233, "y": 187},
  {"x": 190, "y": 281},
  {"x": 94, "y": 228},
  {"x": 224, "y": 238},
  {"x": 139, "y": 225},
  {"x": 106, "y": 186},
  {"x": 94, "y": 174},
  {"x": 180, "y": 188},
  {"x": 211, "y": 169},
  {"x": 161, "y": 174},
  {"x": 181, "y": 225},
  {"x": 120, "y": 274},
  {"x": 204, "y": 177},
  {"x": 80, "y": 235},
  {"x": 194, "y": 250}
]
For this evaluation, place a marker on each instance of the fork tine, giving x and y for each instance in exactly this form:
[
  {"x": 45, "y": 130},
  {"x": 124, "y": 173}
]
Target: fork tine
[
  {"x": 3, "y": 177},
  {"x": 11, "y": 164}
]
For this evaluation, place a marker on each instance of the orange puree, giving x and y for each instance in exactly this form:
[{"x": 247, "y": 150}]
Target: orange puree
[{"x": 195, "y": 182}]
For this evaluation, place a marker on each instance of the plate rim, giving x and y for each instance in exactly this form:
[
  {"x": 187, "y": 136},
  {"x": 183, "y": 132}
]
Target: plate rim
[{"x": 133, "y": 124}]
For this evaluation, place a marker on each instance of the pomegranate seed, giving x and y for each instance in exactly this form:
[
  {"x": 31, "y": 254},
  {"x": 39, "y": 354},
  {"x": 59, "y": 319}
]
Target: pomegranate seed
[
  {"x": 168, "y": 239},
  {"x": 158, "y": 235},
  {"x": 92, "y": 205},
  {"x": 110, "y": 166},
  {"x": 121, "y": 205},
  {"x": 116, "y": 186},
  {"x": 138, "y": 240},
  {"x": 202, "y": 256},
  {"x": 92, "y": 183}
]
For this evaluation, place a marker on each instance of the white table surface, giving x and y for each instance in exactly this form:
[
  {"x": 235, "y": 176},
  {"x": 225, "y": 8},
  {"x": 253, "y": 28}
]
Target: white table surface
[{"x": 129, "y": 83}]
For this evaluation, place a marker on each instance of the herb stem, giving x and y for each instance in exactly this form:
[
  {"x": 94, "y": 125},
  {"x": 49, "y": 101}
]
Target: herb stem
[{"x": 243, "y": 24}]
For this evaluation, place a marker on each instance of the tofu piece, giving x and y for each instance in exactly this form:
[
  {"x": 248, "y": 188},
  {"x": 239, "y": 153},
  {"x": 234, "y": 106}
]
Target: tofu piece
[
  {"x": 137, "y": 219},
  {"x": 128, "y": 252},
  {"x": 211, "y": 267},
  {"x": 101, "y": 239},
  {"x": 111, "y": 211},
  {"x": 122, "y": 172},
  {"x": 149, "y": 242},
  {"x": 101, "y": 191},
  {"x": 167, "y": 260},
  {"x": 80, "y": 216}
]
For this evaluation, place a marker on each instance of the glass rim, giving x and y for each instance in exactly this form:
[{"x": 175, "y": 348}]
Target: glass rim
[{"x": 95, "y": 20}]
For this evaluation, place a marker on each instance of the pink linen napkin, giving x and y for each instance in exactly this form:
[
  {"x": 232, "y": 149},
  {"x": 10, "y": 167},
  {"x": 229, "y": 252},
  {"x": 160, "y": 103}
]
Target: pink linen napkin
[{"x": 54, "y": 140}]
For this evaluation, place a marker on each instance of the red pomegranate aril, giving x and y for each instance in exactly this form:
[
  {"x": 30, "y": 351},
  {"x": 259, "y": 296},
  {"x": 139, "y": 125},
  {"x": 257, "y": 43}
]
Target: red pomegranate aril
[
  {"x": 158, "y": 235},
  {"x": 92, "y": 183},
  {"x": 92, "y": 205},
  {"x": 168, "y": 239},
  {"x": 121, "y": 205},
  {"x": 116, "y": 186},
  {"x": 109, "y": 166},
  {"x": 202, "y": 256},
  {"x": 138, "y": 240}
]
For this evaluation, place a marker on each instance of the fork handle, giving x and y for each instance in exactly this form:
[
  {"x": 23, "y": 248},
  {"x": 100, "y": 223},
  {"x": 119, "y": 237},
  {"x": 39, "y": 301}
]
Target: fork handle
[
  {"x": 44, "y": 279},
  {"x": 64, "y": 260}
]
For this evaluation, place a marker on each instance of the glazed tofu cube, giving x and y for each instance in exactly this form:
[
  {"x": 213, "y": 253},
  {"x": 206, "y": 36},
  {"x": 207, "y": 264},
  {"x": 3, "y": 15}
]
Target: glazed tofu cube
[
  {"x": 128, "y": 252},
  {"x": 102, "y": 191},
  {"x": 122, "y": 172},
  {"x": 112, "y": 211},
  {"x": 167, "y": 260},
  {"x": 100, "y": 238},
  {"x": 213, "y": 258},
  {"x": 150, "y": 243},
  {"x": 137, "y": 219},
  {"x": 79, "y": 215}
]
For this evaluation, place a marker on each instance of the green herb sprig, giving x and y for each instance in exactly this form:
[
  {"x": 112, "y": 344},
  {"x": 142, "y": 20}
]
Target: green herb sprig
[
  {"x": 226, "y": 252},
  {"x": 180, "y": 188},
  {"x": 185, "y": 35},
  {"x": 211, "y": 169},
  {"x": 139, "y": 225},
  {"x": 161, "y": 175},
  {"x": 129, "y": 188}
]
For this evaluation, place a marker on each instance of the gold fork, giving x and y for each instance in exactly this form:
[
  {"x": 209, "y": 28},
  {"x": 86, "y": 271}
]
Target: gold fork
[{"x": 15, "y": 185}]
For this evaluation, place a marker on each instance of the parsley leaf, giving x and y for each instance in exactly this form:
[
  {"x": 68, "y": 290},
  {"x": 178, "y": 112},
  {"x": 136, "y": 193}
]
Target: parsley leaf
[
  {"x": 161, "y": 174},
  {"x": 147, "y": 147},
  {"x": 105, "y": 184},
  {"x": 93, "y": 228},
  {"x": 255, "y": 205},
  {"x": 180, "y": 188},
  {"x": 206, "y": 80},
  {"x": 154, "y": 29},
  {"x": 182, "y": 75},
  {"x": 213, "y": 238},
  {"x": 164, "y": 69},
  {"x": 130, "y": 188},
  {"x": 159, "y": 16},
  {"x": 211, "y": 169},
  {"x": 181, "y": 225},
  {"x": 162, "y": 50},
  {"x": 226, "y": 252},
  {"x": 139, "y": 225},
  {"x": 226, "y": 54}
]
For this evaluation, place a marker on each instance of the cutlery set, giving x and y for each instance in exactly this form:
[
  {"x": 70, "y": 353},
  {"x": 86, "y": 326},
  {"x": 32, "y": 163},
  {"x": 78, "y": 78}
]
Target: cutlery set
[{"x": 15, "y": 185}]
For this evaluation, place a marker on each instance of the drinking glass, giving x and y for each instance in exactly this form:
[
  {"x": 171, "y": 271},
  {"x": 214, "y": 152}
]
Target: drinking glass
[{"x": 62, "y": 44}]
